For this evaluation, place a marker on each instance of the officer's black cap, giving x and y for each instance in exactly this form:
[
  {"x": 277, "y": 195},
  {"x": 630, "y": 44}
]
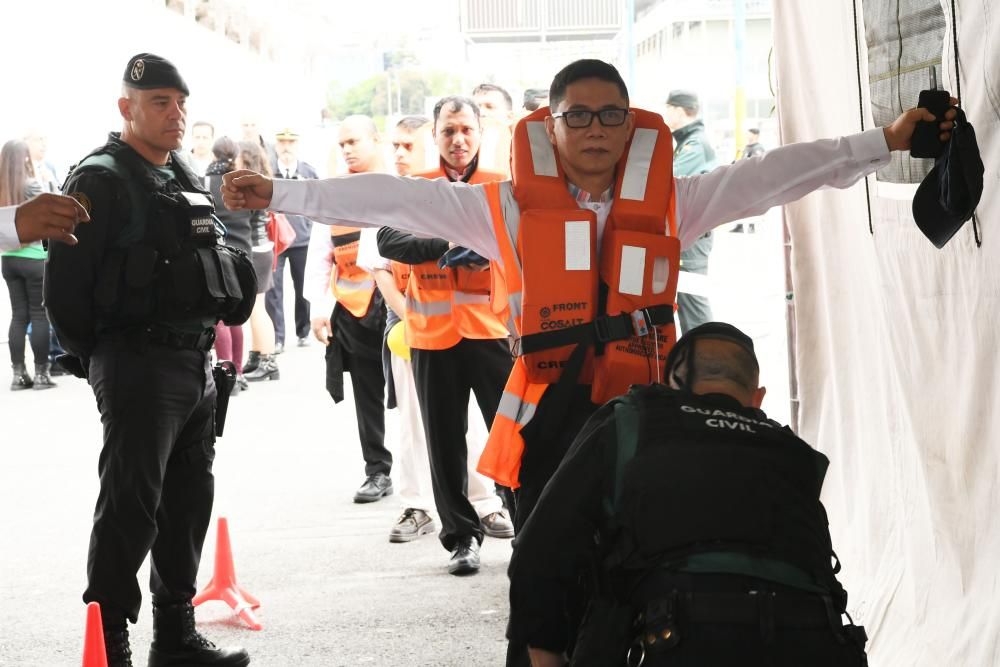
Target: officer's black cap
[
  {"x": 950, "y": 193},
  {"x": 717, "y": 331},
  {"x": 146, "y": 71},
  {"x": 684, "y": 98}
]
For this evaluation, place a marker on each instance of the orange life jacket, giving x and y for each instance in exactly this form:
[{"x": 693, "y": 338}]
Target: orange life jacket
[
  {"x": 445, "y": 305},
  {"x": 352, "y": 286},
  {"x": 600, "y": 310}
]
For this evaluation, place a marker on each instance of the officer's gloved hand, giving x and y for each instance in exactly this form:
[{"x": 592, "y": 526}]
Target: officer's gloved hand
[{"x": 463, "y": 257}]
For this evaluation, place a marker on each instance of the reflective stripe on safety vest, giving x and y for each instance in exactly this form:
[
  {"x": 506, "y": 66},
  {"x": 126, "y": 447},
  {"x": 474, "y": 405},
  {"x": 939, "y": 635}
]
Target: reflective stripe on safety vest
[
  {"x": 552, "y": 294},
  {"x": 445, "y": 305},
  {"x": 352, "y": 286}
]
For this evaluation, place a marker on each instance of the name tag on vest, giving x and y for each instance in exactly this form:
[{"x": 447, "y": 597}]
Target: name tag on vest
[{"x": 202, "y": 228}]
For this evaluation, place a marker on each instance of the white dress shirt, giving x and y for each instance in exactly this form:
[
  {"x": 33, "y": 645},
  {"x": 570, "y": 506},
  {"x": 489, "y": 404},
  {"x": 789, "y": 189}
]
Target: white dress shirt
[
  {"x": 460, "y": 213},
  {"x": 8, "y": 232}
]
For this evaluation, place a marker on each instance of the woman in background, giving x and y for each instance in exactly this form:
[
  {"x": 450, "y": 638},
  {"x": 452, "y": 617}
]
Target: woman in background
[
  {"x": 261, "y": 364},
  {"x": 22, "y": 270}
]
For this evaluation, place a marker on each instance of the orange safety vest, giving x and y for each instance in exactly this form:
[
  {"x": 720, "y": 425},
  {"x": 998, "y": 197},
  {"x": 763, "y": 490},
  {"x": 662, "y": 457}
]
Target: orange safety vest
[
  {"x": 352, "y": 286},
  {"x": 401, "y": 274},
  {"x": 445, "y": 305},
  {"x": 553, "y": 272}
]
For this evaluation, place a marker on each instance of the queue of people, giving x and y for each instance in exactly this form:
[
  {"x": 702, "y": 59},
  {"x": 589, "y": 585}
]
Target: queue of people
[{"x": 545, "y": 289}]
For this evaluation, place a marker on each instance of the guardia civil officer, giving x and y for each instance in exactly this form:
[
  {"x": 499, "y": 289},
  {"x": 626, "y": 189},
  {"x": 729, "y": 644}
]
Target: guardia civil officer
[
  {"x": 134, "y": 304},
  {"x": 704, "y": 521}
]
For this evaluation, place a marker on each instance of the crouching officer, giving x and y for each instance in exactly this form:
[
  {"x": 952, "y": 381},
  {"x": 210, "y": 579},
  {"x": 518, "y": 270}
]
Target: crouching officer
[
  {"x": 699, "y": 523},
  {"x": 134, "y": 304}
]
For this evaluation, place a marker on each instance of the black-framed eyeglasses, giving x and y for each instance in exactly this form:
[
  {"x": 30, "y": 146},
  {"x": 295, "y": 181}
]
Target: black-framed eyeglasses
[{"x": 578, "y": 118}]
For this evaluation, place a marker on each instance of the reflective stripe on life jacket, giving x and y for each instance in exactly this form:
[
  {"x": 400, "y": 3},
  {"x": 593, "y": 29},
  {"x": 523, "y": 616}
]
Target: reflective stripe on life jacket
[
  {"x": 555, "y": 262},
  {"x": 352, "y": 286}
]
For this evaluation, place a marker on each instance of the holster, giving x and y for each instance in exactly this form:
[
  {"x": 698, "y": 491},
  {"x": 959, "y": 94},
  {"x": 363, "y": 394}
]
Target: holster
[
  {"x": 605, "y": 634},
  {"x": 224, "y": 374}
]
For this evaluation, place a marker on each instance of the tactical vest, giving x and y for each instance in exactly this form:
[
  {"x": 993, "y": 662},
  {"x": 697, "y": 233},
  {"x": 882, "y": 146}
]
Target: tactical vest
[
  {"x": 167, "y": 263},
  {"x": 694, "y": 476}
]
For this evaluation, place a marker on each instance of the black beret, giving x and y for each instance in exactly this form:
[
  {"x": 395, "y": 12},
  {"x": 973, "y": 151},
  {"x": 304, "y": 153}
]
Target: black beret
[
  {"x": 683, "y": 98},
  {"x": 145, "y": 71},
  {"x": 950, "y": 193}
]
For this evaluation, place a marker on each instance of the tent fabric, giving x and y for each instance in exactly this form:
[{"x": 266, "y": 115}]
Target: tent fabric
[{"x": 897, "y": 355}]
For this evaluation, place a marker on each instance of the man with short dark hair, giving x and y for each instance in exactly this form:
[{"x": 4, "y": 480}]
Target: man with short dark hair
[
  {"x": 708, "y": 509},
  {"x": 591, "y": 173},
  {"x": 202, "y": 138},
  {"x": 496, "y": 111},
  {"x": 494, "y": 102},
  {"x": 535, "y": 98},
  {"x": 135, "y": 304},
  {"x": 693, "y": 155},
  {"x": 458, "y": 345}
]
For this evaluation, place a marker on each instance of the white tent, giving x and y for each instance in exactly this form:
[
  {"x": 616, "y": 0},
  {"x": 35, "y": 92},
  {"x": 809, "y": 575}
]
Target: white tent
[{"x": 897, "y": 354}]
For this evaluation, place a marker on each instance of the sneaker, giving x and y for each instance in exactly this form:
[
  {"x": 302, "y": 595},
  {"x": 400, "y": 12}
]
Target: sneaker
[
  {"x": 376, "y": 487},
  {"x": 303, "y": 341},
  {"x": 464, "y": 557},
  {"x": 498, "y": 525},
  {"x": 279, "y": 348},
  {"x": 412, "y": 524}
]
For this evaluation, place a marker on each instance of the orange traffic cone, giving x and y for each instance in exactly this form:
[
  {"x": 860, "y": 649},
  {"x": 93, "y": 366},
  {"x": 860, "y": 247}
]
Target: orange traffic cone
[
  {"x": 94, "y": 654},
  {"x": 223, "y": 585}
]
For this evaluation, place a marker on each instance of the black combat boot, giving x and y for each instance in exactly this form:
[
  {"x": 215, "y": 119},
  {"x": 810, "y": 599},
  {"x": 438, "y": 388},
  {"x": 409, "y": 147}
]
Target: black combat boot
[
  {"x": 253, "y": 360},
  {"x": 42, "y": 379},
  {"x": 116, "y": 646},
  {"x": 267, "y": 370},
  {"x": 21, "y": 378},
  {"x": 176, "y": 642}
]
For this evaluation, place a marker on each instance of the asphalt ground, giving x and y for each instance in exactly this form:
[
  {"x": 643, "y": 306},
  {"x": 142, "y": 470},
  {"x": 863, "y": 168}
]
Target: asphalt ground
[{"x": 333, "y": 590}]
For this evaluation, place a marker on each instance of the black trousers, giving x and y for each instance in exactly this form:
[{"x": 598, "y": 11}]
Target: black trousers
[
  {"x": 157, "y": 405},
  {"x": 444, "y": 379},
  {"x": 368, "y": 384},
  {"x": 24, "y": 283},
  {"x": 769, "y": 642},
  {"x": 274, "y": 300},
  {"x": 547, "y": 438}
]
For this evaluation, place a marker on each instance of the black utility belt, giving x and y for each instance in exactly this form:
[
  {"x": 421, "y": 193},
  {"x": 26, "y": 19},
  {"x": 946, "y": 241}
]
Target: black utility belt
[
  {"x": 790, "y": 610},
  {"x": 179, "y": 340}
]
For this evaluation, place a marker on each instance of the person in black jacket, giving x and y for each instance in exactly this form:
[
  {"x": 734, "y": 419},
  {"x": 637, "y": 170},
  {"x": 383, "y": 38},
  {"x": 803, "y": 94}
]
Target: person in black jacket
[
  {"x": 245, "y": 230},
  {"x": 691, "y": 525},
  {"x": 135, "y": 303}
]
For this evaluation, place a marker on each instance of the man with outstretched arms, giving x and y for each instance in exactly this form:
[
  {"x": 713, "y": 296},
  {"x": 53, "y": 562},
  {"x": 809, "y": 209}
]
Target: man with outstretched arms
[{"x": 584, "y": 241}]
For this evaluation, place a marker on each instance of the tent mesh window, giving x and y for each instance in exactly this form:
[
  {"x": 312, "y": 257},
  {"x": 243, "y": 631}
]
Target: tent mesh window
[{"x": 905, "y": 40}]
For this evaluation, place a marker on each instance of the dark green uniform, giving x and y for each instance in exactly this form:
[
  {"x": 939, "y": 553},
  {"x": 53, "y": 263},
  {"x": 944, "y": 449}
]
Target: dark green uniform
[
  {"x": 694, "y": 155},
  {"x": 135, "y": 303},
  {"x": 694, "y": 527}
]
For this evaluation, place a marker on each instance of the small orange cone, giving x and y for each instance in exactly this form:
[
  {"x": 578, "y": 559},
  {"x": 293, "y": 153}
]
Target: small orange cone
[
  {"x": 223, "y": 585},
  {"x": 94, "y": 654}
]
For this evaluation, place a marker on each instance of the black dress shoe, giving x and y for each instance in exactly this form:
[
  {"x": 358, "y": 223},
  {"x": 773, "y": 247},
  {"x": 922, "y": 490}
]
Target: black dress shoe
[
  {"x": 376, "y": 487},
  {"x": 464, "y": 557}
]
